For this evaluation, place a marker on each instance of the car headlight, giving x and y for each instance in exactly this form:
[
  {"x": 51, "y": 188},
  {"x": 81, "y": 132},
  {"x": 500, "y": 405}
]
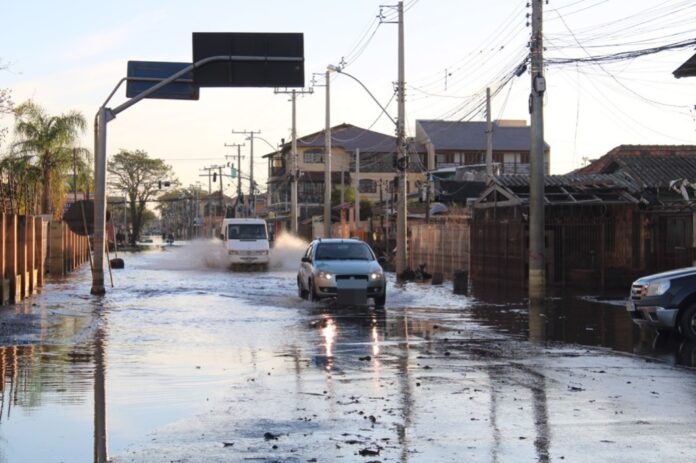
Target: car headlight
[
  {"x": 324, "y": 275},
  {"x": 376, "y": 276},
  {"x": 658, "y": 287}
]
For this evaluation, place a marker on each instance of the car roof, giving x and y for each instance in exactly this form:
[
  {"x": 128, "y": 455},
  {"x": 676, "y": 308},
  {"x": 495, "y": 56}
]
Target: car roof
[{"x": 338, "y": 240}]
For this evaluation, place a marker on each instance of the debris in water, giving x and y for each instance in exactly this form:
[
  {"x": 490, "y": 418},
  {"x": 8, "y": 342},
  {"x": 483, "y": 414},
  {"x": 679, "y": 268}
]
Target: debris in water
[
  {"x": 227, "y": 444},
  {"x": 271, "y": 436},
  {"x": 367, "y": 452},
  {"x": 367, "y": 358}
]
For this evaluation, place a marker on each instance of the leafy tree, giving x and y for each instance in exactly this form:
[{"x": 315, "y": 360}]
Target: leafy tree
[
  {"x": 348, "y": 195},
  {"x": 365, "y": 209},
  {"x": 81, "y": 175},
  {"x": 140, "y": 177},
  {"x": 49, "y": 140},
  {"x": 5, "y": 105}
]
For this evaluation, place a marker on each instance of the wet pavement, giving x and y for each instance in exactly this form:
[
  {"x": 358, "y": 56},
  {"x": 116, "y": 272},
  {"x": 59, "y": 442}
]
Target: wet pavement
[{"x": 185, "y": 361}]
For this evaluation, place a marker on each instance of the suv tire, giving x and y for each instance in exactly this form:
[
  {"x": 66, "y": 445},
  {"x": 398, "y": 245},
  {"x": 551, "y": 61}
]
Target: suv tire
[
  {"x": 381, "y": 300},
  {"x": 687, "y": 322}
]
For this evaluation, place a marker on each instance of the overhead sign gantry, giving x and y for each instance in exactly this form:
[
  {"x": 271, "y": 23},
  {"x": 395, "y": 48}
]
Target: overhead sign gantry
[{"x": 230, "y": 59}]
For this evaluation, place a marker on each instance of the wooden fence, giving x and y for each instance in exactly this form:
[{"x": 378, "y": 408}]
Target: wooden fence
[
  {"x": 442, "y": 246},
  {"x": 25, "y": 249}
]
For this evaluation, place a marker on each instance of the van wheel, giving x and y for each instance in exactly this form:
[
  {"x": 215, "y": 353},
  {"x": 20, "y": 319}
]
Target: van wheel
[
  {"x": 300, "y": 290},
  {"x": 687, "y": 322}
]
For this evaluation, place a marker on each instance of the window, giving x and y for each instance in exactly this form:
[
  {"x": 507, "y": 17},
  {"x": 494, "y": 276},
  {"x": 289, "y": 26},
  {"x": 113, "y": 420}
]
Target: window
[
  {"x": 367, "y": 186},
  {"x": 313, "y": 157},
  {"x": 246, "y": 232},
  {"x": 343, "y": 251}
]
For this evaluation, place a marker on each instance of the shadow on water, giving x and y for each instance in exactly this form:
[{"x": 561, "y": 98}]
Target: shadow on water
[{"x": 575, "y": 317}]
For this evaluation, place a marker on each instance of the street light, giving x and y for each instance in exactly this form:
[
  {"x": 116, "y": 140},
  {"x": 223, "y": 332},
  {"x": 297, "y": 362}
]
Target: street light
[{"x": 401, "y": 165}]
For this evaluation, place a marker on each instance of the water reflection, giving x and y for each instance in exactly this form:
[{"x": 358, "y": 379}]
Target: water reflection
[{"x": 576, "y": 318}]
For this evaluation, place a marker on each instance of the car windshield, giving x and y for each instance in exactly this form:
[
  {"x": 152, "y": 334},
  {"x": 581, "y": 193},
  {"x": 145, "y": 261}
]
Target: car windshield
[
  {"x": 246, "y": 231},
  {"x": 343, "y": 251}
]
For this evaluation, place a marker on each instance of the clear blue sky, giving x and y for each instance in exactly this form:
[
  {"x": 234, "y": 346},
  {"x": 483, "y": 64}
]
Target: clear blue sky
[{"x": 69, "y": 55}]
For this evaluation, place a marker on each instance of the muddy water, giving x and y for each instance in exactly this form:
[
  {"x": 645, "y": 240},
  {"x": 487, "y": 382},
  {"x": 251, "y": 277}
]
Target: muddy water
[{"x": 186, "y": 361}]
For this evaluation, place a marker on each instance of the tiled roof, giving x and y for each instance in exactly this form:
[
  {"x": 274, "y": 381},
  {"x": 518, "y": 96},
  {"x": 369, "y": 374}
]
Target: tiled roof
[
  {"x": 465, "y": 136},
  {"x": 650, "y": 166},
  {"x": 605, "y": 181}
]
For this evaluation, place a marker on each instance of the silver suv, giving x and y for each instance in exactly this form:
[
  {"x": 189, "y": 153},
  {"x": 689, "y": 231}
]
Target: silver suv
[{"x": 345, "y": 269}]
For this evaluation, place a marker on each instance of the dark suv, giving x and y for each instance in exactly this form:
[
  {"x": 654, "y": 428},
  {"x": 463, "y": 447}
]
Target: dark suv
[{"x": 665, "y": 301}]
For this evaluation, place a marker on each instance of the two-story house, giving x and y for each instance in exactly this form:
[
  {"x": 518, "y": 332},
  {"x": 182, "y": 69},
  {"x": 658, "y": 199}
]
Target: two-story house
[
  {"x": 374, "y": 180},
  {"x": 452, "y": 144}
]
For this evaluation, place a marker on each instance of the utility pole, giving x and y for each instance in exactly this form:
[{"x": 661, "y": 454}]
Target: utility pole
[
  {"x": 489, "y": 135},
  {"x": 252, "y": 194},
  {"x": 402, "y": 161},
  {"x": 239, "y": 176},
  {"x": 210, "y": 192},
  {"x": 357, "y": 188},
  {"x": 537, "y": 271},
  {"x": 222, "y": 196},
  {"x": 294, "y": 172},
  {"x": 327, "y": 161}
]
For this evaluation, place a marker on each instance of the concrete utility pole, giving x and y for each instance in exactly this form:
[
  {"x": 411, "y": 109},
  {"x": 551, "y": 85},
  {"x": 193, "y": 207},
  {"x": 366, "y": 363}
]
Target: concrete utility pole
[
  {"x": 489, "y": 135},
  {"x": 327, "y": 161},
  {"x": 537, "y": 270},
  {"x": 222, "y": 195},
  {"x": 239, "y": 176},
  {"x": 402, "y": 161},
  {"x": 294, "y": 171},
  {"x": 252, "y": 193},
  {"x": 210, "y": 192}
]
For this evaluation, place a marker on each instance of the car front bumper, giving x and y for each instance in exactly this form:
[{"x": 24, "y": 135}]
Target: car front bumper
[
  {"x": 652, "y": 315},
  {"x": 330, "y": 288}
]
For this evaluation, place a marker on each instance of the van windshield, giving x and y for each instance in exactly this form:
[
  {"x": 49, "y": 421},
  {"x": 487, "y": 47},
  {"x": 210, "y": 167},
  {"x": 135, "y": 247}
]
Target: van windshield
[{"x": 246, "y": 231}]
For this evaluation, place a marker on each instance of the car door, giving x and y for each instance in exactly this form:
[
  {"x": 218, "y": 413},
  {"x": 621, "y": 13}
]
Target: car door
[{"x": 306, "y": 268}]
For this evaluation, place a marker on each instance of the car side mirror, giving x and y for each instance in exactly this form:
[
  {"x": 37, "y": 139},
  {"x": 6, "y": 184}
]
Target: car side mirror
[
  {"x": 382, "y": 260},
  {"x": 307, "y": 260}
]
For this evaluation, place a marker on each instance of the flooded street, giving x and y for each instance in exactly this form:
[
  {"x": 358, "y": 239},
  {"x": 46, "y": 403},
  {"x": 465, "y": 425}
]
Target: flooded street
[{"x": 186, "y": 361}]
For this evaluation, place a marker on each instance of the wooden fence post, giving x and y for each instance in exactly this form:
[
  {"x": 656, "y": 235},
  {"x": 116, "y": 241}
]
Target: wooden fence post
[
  {"x": 4, "y": 282},
  {"x": 30, "y": 229},
  {"x": 39, "y": 254},
  {"x": 56, "y": 265},
  {"x": 11, "y": 259}
]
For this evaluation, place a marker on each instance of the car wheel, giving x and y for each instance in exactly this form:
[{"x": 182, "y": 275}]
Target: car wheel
[
  {"x": 687, "y": 322},
  {"x": 312, "y": 292},
  {"x": 380, "y": 301},
  {"x": 300, "y": 290}
]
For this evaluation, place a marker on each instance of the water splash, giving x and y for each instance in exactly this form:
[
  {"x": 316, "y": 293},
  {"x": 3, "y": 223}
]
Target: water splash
[{"x": 287, "y": 252}]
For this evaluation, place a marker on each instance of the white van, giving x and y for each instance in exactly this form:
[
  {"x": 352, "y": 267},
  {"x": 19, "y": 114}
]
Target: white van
[{"x": 246, "y": 242}]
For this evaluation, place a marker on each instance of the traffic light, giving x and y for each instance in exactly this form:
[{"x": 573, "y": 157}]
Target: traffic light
[{"x": 214, "y": 176}]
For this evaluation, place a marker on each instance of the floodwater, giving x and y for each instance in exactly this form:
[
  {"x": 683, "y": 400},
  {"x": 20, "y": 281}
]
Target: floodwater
[{"x": 186, "y": 361}]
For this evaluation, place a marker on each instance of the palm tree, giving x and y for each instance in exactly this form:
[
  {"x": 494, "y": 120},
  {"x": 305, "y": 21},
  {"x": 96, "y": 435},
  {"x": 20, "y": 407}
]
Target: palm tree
[{"x": 50, "y": 140}]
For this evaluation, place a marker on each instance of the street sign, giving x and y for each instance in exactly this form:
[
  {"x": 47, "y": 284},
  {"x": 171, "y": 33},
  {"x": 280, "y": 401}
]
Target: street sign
[
  {"x": 275, "y": 59},
  {"x": 145, "y": 74}
]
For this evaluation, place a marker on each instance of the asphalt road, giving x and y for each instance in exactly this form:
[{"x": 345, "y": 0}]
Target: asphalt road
[{"x": 185, "y": 361}]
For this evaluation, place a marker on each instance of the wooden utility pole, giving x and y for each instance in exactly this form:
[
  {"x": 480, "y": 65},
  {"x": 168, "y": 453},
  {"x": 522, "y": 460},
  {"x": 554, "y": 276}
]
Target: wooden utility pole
[
  {"x": 537, "y": 271},
  {"x": 357, "y": 188}
]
